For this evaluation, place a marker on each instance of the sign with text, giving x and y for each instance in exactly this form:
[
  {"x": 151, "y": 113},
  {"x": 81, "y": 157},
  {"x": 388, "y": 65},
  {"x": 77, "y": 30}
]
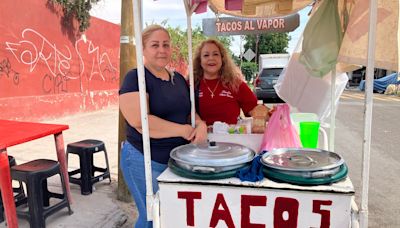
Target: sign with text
[
  {"x": 191, "y": 205},
  {"x": 226, "y": 26}
]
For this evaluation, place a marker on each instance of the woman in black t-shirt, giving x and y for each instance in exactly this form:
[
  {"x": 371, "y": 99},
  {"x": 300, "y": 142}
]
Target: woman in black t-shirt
[{"x": 168, "y": 115}]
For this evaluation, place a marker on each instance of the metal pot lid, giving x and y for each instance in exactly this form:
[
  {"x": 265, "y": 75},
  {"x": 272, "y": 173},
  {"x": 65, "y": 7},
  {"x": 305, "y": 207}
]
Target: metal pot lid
[
  {"x": 215, "y": 154},
  {"x": 298, "y": 159}
]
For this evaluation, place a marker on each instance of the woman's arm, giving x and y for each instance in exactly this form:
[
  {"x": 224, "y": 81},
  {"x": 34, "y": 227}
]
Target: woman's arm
[
  {"x": 129, "y": 104},
  {"x": 199, "y": 134},
  {"x": 246, "y": 98}
]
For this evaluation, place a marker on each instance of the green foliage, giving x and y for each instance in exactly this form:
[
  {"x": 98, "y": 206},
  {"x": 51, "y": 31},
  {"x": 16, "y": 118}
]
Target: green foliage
[
  {"x": 78, "y": 9},
  {"x": 236, "y": 60},
  {"x": 268, "y": 43},
  {"x": 180, "y": 41},
  {"x": 249, "y": 69}
]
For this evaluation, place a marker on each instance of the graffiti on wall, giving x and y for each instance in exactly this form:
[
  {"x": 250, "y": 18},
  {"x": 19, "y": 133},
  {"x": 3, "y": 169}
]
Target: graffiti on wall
[
  {"x": 8, "y": 71},
  {"x": 101, "y": 65},
  {"x": 34, "y": 48}
]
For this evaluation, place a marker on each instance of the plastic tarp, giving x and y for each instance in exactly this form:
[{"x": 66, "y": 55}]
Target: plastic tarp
[
  {"x": 354, "y": 44},
  {"x": 259, "y": 8},
  {"x": 381, "y": 84},
  {"x": 354, "y": 19}
]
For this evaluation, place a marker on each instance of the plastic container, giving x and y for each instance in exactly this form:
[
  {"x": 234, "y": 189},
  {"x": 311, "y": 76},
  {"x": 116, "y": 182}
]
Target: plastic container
[
  {"x": 309, "y": 134},
  {"x": 298, "y": 117},
  {"x": 260, "y": 117}
]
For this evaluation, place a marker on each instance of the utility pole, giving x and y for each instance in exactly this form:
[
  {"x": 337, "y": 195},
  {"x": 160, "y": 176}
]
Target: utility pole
[
  {"x": 127, "y": 62},
  {"x": 257, "y": 52}
]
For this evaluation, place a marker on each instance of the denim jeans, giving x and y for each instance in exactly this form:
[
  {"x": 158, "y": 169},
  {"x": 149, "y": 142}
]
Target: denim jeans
[{"x": 132, "y": 167}]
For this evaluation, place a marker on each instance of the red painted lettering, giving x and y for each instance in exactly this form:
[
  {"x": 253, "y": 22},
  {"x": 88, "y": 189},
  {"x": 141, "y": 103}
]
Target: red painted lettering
[
  {"x": 246, "y": 202},
  {"x": 325, "y": 214},
  {"x": 286, "y": 212},
  {"x": 223, "y": 214},
  {"x": 190, "y": 197}
]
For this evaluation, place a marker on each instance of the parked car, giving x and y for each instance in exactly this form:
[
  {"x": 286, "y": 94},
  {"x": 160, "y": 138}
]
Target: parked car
[
  {"x": 270, "y": 66},
  {"x": 264, "y": 85}
]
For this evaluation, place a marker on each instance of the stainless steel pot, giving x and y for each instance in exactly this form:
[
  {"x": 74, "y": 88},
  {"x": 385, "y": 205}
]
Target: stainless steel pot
[
  {"x": 212, "y": 157},
  {"x": 298, "y": 159},
  {"x": 304, "y": 166}
]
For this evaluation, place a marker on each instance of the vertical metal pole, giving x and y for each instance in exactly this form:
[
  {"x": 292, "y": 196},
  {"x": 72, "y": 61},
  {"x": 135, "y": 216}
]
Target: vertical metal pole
[
  {"x": 189, "y": 12},
  {"x": 368, "y": 112},
  {"x": 333, "y": 111},
  {"x": 143, "y": 107}
]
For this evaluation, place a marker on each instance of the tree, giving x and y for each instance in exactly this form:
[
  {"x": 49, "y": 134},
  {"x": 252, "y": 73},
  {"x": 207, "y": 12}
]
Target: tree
[
  {"x": 180, "y": 52},
  {"x": 179, "y": 38},
  {"x": 267, "y": 43},
  {"x": 78, "y": 9},
  {"x": 249, "y": 69}
]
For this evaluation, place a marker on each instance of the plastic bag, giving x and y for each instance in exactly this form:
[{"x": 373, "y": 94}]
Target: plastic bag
[
  {"x": 322, "y": 39},
  {"x": 307, "y": 93},
  {"x": 280, "y": 132}
]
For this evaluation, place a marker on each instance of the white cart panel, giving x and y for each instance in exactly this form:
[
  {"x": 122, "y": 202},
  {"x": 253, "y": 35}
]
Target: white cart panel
[{"x": 191, "y": 203}]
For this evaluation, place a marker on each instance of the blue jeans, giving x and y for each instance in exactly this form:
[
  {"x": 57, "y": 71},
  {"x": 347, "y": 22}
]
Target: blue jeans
[{"x": 132, "y": 167}]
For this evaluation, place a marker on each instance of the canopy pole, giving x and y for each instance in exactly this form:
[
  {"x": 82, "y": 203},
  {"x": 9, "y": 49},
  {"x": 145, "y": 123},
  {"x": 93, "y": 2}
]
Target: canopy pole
[
  {"x": 368, "y": 112},
  {"x": 143, "y": 107},
  {"x": 189, "y": 11},
  {"x": 333, "y": 111}
]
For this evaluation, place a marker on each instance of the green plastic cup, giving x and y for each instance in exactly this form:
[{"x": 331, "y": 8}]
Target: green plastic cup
[{"x": 309, "y": 134}]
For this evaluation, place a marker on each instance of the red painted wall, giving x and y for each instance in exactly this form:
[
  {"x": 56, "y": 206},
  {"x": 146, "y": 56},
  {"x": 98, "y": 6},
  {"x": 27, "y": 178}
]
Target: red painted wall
[{"x": 47, "y": 70}]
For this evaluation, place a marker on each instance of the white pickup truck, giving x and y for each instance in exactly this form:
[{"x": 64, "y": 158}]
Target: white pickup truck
[{"x": 270, "y": 66}]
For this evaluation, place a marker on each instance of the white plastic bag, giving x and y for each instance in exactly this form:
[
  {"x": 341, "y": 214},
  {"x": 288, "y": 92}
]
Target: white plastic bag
[{"x": 307, "y": 93}]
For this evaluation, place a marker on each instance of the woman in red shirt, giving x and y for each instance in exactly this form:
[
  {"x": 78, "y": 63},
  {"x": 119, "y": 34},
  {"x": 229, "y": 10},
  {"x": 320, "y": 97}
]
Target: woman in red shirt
[{"x": 221, "y": 90}]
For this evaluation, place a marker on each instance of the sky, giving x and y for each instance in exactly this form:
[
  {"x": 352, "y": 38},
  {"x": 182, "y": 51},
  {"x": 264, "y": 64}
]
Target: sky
[{"x": 174, "y": 12}]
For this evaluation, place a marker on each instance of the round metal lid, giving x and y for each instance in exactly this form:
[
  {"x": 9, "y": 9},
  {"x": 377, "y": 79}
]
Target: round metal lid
[
  {"x": 298, "y": 159},
  {"x": 212, "y": 154}
]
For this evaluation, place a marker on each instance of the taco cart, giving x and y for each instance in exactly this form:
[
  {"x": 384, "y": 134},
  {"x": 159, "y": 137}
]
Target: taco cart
[
  {"x": 290, "y": 195},
  {"x": 207, "y": 194}
]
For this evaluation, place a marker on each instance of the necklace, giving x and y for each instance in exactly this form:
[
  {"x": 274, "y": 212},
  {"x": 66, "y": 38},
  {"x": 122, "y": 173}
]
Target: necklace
[{"x": 211, "y": 91}]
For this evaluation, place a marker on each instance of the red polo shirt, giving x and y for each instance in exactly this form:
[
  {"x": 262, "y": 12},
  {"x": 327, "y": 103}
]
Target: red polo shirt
[{"x": 225, "y": 105}]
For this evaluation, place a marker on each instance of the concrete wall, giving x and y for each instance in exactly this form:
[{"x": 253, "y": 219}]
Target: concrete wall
[{"x": 48, "y": 70}]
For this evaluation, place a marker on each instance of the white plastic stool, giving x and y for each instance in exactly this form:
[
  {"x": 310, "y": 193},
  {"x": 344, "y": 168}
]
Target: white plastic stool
[{"x": 298, "y": 117}]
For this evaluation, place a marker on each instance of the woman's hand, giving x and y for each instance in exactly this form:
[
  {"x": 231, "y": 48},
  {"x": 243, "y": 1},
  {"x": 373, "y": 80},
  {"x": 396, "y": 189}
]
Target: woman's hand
[
  {"x": 187, "y": 132},
  {"x": 199, "y": 134}
]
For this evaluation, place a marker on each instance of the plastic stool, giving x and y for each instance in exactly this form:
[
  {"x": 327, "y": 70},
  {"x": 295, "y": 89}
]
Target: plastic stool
[
  {"x": 19, "y": 193},
  {"x": 85, "y": 150},
  {"x": 35, "y": 174}
]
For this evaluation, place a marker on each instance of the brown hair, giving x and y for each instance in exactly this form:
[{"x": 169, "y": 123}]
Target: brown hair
[
  {"x": 149, "y": 30},
  {"x": 231, "y": 76}
]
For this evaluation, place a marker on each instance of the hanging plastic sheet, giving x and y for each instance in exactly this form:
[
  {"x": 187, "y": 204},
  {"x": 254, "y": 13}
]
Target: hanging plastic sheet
[
  {"x": 297, "y": 87},
  {"x": 322, "y": 39}
]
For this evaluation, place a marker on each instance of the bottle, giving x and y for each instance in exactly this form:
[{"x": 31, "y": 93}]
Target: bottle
[{"x": 260, "y": 117}]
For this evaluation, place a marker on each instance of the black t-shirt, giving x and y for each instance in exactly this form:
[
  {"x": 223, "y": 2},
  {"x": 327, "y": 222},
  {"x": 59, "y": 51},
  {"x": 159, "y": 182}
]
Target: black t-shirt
[{"x": 168, "y": 100}]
